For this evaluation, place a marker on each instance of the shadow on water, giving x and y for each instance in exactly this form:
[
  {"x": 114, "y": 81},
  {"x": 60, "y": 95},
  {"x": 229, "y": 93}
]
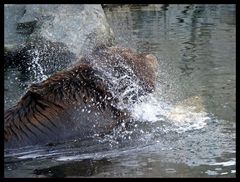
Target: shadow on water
[{"x": 86, "y": 167}]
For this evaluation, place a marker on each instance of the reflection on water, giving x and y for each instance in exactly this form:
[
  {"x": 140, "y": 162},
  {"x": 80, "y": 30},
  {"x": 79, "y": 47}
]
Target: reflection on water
[
  {"x": 86, "y": 167},
  {"x": 185, "y": 129}
]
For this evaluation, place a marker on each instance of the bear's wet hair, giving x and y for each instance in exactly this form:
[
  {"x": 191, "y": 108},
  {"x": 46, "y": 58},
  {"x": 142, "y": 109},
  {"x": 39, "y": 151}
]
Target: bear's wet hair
[{"x": 46, "y": 103}]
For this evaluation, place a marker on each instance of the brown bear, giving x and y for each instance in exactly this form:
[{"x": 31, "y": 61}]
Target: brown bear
[{"x": 92, "y": 97}]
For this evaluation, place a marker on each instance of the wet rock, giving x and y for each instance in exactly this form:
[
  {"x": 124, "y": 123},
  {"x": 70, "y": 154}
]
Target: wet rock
[
  {"x": 12, "y": 14},
  {"x": 80, "y": 27},
  {"x": 49, "y": 28}
]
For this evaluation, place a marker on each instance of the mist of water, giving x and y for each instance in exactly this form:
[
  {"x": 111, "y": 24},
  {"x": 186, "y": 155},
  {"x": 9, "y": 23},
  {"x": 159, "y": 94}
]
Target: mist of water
[{"x": 36, "y": 67}]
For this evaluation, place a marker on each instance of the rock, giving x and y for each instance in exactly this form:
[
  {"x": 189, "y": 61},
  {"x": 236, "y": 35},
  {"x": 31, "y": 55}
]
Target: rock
[
  {"x": 80, "y": 27},
  {"x": 12, "y": 14},
  {"x": 90, "y": 98},
  {"x": 49, "y": 28}
]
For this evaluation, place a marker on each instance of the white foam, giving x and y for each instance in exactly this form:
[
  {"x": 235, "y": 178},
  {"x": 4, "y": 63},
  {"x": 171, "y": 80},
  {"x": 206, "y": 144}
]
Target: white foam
[
  {"x": 227, "y": 163},
  {"x": 186, "y": 115},
  {"x": 30, "y": 156},
  {"x": 150, "y": 109}
]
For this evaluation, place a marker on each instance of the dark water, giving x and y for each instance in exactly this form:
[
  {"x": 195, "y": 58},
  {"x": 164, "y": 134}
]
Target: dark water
[{"x": 187, "y": 128}]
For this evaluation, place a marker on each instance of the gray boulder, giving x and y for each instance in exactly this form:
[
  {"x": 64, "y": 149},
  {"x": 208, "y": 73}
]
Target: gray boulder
[
  {"x": 12, "y": 14},
  {"x": 53, "y": 30},
  {"x": 80, "y": 27}
]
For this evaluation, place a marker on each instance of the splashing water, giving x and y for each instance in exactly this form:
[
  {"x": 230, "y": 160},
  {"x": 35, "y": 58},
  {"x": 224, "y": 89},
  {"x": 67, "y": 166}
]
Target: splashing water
[
  {"x": 186, "y": 115},
  {"x": 36, "y": 67},
  {"x": 150, "y": 109},
  {"x": 152, "y": 117},
  {"x": 120, "y": 78},
  {"x": 160, "y": 118},
  {"x": 150, "y": 114}
]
